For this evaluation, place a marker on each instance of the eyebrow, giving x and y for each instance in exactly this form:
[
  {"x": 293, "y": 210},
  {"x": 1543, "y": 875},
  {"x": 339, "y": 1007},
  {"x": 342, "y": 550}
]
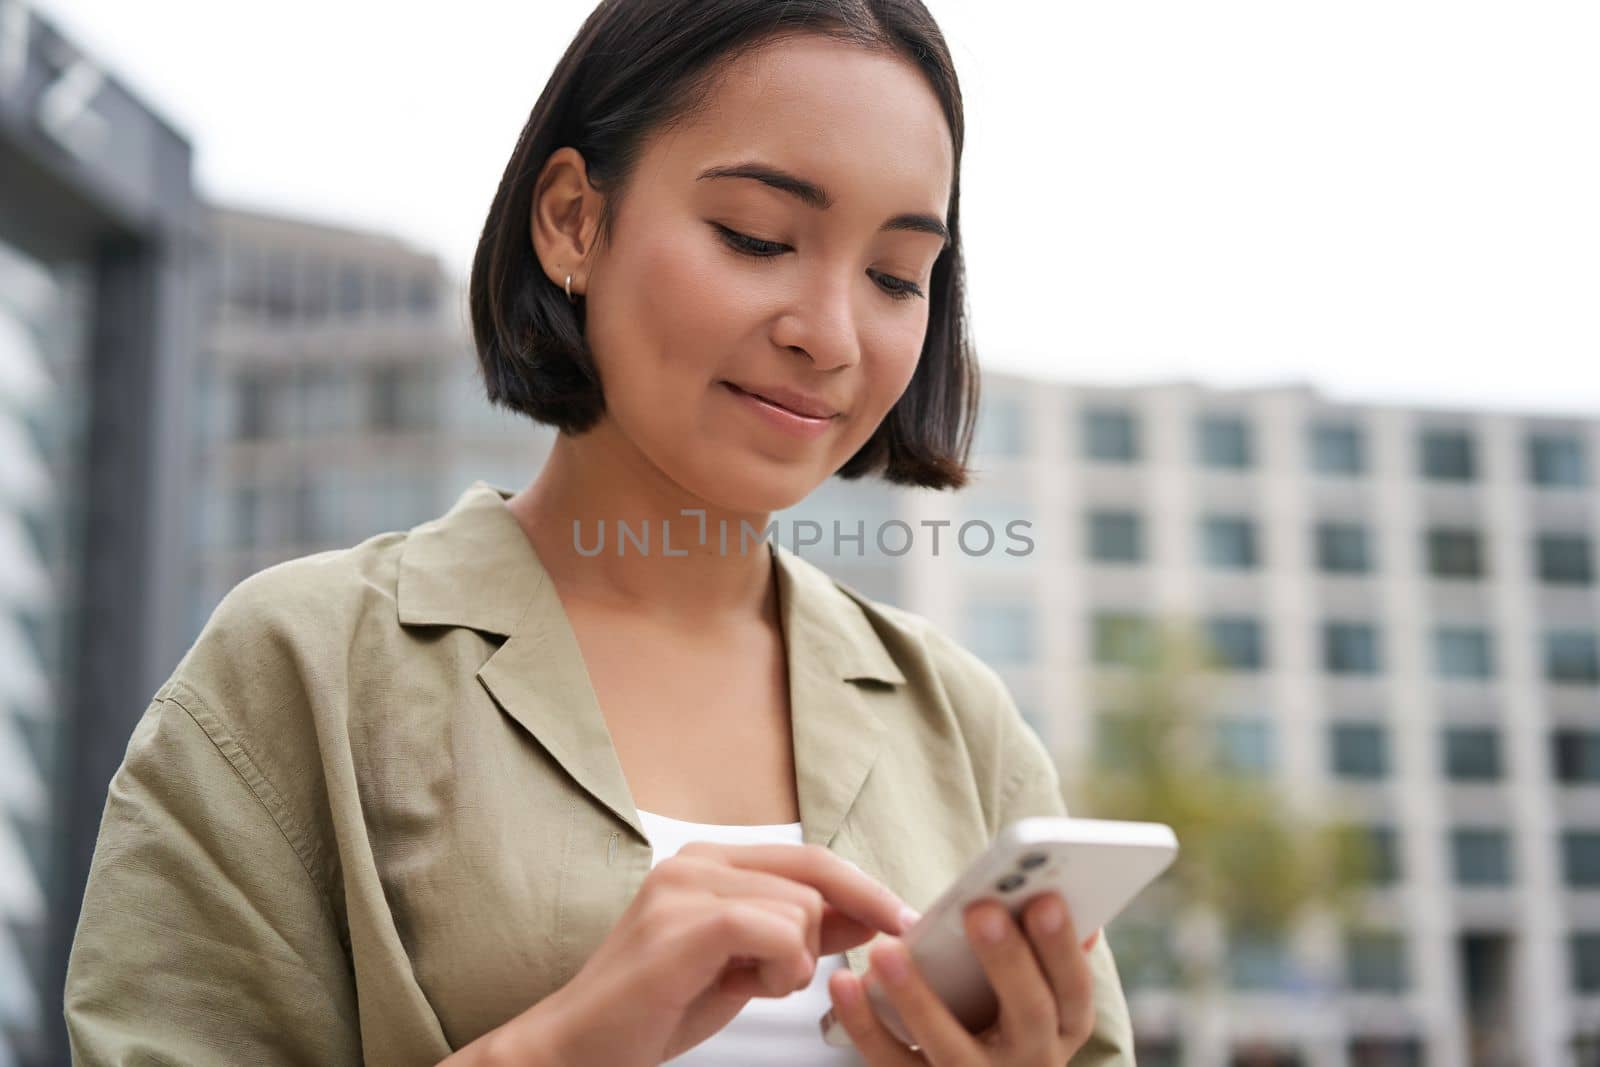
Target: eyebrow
[{"x": 814, "y": 195}]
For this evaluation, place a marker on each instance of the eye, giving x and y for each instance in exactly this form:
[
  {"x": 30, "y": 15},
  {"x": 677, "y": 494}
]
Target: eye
[
  {"x": 900, "y": 289},
  {"x": 743, "y": 243},
  {"x": 750, "y": 246}
]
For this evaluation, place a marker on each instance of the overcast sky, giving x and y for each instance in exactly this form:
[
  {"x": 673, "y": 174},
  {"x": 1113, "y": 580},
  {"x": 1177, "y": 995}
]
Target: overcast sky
[{"x": 1389, "y": 199}]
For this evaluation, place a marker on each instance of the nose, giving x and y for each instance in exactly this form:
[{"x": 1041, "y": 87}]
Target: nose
[{"x": 822, "y": 323}]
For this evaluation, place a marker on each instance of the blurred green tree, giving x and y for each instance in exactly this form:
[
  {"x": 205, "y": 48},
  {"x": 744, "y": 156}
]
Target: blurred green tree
[{"x": 1252, "y": 861}]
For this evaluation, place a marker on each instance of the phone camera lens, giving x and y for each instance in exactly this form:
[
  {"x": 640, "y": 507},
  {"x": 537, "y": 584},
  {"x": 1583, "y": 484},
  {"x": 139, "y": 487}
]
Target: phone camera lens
[
  {"x": 1032, "y": 860},
  {"x": 1010, "y": 882}
]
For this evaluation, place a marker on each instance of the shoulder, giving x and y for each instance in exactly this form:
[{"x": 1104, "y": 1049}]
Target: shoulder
[{"x": 292, "y": 619}]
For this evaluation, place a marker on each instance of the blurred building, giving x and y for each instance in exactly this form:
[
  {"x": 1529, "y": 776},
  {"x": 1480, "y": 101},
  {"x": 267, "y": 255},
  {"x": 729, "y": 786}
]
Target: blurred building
[
  {"x": 341, "y": 398},
  {"x": 1405, "y": 602},
  {"x": 97, "y": 291}
]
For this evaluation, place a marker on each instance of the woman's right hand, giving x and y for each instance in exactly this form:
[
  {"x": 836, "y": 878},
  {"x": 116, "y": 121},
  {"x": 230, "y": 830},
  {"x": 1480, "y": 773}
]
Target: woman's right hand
[{"x": 712, "y": 926}]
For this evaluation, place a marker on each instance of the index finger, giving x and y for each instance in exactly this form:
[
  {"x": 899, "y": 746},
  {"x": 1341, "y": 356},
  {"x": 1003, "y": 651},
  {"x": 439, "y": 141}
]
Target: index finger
[{"x": 841, "y": 883}]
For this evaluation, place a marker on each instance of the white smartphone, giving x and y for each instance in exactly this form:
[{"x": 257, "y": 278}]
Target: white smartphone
[{"x": 1098, "y": 866}]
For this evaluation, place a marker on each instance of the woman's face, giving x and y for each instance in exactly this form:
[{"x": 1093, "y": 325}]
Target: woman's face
[{"x": 834, "y": 305}]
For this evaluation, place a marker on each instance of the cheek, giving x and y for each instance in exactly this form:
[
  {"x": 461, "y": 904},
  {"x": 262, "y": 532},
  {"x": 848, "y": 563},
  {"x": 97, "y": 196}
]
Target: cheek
[
  {"x": 663, "y": 314},
  {"x": 893, "y": 361}
]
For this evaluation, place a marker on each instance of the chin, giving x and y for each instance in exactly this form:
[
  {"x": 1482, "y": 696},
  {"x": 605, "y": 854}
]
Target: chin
[{"x": 755, "y": 488}]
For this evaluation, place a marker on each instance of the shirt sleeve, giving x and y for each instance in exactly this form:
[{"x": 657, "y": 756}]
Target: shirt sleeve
[
  {"x": 203, "y": 937},
  {"x": 1032, "y": 787}
]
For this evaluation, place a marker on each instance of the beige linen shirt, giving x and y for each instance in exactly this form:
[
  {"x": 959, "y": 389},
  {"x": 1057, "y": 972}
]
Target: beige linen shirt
[{"x": 375, "y": 812}]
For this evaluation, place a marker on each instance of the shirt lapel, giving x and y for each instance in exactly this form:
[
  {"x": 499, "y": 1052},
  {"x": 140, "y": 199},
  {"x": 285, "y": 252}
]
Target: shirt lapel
[{"x": 475, "y": 567}]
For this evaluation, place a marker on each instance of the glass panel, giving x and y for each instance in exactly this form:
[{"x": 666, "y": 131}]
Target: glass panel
[
  {"x": 1482, "y": 857},
  {"x": 1455, "y": 553},
  {"x": 1236, "y": 642},
  {"x": 1110, "y": 436},
  {"x": 1448, "y": 455},
  {"x": 1350, "y": 648},
  {"x": 1337, "y": 448},
  {"x": 1471, "y": 753},
  {"x": 1565, "y": 559},
  {"x": 1464, "y": 652},
  {"x": 1342, "y": 548},
  {"x": 1229, "y": 542},
  {"x": 1359, "y": 750},
  {"x": 1557, "y": 461},
  {"x": 1116, "y": 537},
  {"x": 1224, "y": 441}
]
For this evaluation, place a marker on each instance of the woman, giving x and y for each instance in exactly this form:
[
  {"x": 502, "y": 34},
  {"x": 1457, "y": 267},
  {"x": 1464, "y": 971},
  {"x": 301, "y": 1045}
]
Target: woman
[{"x": 472, "y": 793}]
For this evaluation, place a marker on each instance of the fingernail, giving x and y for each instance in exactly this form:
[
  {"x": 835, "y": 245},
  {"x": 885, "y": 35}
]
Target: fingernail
[
  {"x": 1051, "y": 916},
  {"x": 991, "y": 926},
  {"x": 908, "y": 916}
]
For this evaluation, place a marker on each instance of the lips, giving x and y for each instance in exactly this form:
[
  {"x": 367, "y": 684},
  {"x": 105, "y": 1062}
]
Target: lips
[{"x": 795, "y": 403}]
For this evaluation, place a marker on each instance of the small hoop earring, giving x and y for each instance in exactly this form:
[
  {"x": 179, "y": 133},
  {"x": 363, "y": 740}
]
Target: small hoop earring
[{"x": 569, "y": 290}]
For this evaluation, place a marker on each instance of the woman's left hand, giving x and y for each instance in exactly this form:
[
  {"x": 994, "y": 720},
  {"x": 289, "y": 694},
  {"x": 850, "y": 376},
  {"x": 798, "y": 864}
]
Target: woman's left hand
[{"x": 1040, "y": 976}]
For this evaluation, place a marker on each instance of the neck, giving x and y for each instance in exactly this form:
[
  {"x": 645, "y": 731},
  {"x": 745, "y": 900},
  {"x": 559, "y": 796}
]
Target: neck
[{"x": 604, "y": 484}]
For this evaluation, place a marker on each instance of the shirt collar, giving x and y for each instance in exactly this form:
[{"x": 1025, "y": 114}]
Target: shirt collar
[{"x": 475, "y": 567}]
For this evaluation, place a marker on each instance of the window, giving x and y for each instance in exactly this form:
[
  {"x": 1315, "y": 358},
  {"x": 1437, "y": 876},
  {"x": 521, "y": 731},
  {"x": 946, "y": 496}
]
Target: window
[
  {"x": 246, "y": 517},
  {"x": 1350, "y": 648},
  {"x": 1471, "y": 753},
  {"x": 1463, "y": 652},
  {"x": 1342, "y": 548},
  {"x": 1584, "y": 946},
  {"x": 328, "y": 403},
  {"x": 1121, "y": 639},
  {"x": 1224, "y": 441},
  {"x": 1482, "y": 857},
  {"x": 385, "y": 290},
  {"x": 1580, "y": 855},
  {"x": 1455, "y": 553},
  {"x": 1557, "y": 461},
  {"x": 1229, "y": 542},
  {"x": 316, "y": 288},
  {"x": 1571, "y": 657},
  {"x": 1236, "y": 642},
  {"x": 1244, "y": 746},
  {"x": 279, "y": 304},
  {"x": 1337, "y": 448},
  {"x": 420, "y": 296},
  {"x": 253, "y": 406},
  {"x": 1375, "y": 961},
  {"x": 1116, "y": 537},
  {"x": 1564, "y": 559},
  {"x": 1257, "y": 960},
  {"x": 352, "y": 289},
  {"x": 1576, "y": 756},
  {"x": 1448, "y": 456},
  {"x": 1001, "y": 633},
  {"x": 1383, "y": 853},
  {"x": 1359, "y": 750},
  {"x": 1110, "y": 435},
  {"x": 401, "y": 397},
  {"x": 1002, "y": 428}
]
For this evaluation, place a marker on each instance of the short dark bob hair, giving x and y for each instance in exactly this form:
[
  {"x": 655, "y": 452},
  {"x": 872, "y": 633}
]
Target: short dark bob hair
[{"x": 634, "y": 67}]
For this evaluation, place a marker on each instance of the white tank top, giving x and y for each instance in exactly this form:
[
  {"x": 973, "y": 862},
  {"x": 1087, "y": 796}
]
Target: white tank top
[{"x": 775, "y": 1031}]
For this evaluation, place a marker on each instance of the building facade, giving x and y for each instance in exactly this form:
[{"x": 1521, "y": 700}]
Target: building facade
[
  {"x": 97, "y": 299},
  {"x": 341, "y": 394},
  {"x": 1405, "y": 607}
]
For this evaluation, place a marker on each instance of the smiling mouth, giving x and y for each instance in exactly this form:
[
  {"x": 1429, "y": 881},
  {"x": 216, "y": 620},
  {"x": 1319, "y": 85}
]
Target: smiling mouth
[{"x": 776, "y": 404}]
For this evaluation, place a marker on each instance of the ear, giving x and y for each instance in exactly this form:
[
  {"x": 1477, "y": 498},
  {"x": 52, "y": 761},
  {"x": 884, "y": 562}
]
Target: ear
[{"x": 564, "y": 218}]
